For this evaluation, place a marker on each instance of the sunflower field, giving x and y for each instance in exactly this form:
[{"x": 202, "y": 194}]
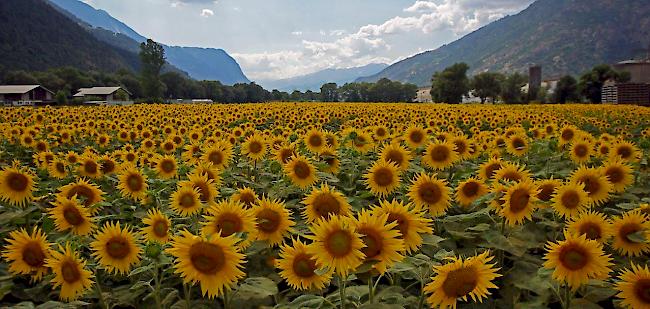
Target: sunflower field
[{"x": 317, "y": 205}]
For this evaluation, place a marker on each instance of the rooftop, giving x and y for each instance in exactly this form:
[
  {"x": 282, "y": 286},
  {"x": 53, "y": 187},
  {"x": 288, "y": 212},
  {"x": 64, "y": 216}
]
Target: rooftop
[
  {"x": 97, "y": 91},
  {"x": 12, "y": 89}
]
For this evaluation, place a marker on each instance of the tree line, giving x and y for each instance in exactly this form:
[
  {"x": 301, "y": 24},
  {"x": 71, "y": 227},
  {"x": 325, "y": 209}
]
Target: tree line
[{"x": 452, "y": 84}]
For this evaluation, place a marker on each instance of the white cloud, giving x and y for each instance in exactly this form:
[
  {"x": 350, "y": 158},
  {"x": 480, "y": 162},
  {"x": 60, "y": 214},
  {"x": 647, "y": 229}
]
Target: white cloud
[
  {"x": 296, "y": 33},
  {"x": 207, "y": 13}
]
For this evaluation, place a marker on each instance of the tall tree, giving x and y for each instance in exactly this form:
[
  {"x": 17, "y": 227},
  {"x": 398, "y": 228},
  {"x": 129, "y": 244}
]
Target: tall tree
[
  {"x": 152, "y": 56},
  {"x": 486, "y": 85},
  {"x": 566, "y": 90},
  {"x": 450, "y": 85},
  {"x": 511, "y": 92},
  {"x": 329, "y": 92},
  {"x": 591, "y": 83}
]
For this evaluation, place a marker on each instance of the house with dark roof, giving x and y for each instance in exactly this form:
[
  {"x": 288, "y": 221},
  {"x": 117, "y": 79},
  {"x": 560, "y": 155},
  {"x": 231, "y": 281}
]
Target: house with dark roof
[
  {"x": 25, "y": 95},
  {"x": 104, "y": 96}
]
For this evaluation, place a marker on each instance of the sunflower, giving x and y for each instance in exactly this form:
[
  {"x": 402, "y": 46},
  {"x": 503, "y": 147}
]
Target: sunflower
[
  {"x": 547, "y": 188},
  {"x": 315, "y": 141},
  {"x": 254, "y": 147},
  {"x": 16, "y": 185},
  {"x": 115, "y": 248},
  {"x": 440, "y": 155},
  {"x": 68, "y": 214},
  {"x": 576, "y": 260},
  {"x": 89, "y": 168},
  {"x": 519, "y": 202},
  {"x": 488, "y": 169},
  {"x": 70, "y": 273},
  {"x": 570, "y": 200},
  {"x": 595, "y": 184},
  {"x": 166, "y": 166},
  {"x": 299, "y": 269},
  {"x": 581, "y": 151},
  {"x": 230, "y": 217},
  {"x": 213, "y": 262},
  {"x": 411, "y": 222},
  {"x": 133, "y": 184},
  {"x": 415, "y": 137},
  {"x": 301, "y": 172},
  {"x": 273, "y": 221},
  {"x": 625, "y": 151},
  {"x": 633, "y": 287},
  {"x": 328, "y": 155},
  {"x": 157, "y": 226},
  {"x": 461, "y": 278},
  {"x": 431, "y": 193},
  {"x": 323, "y": 202},
  {"x": 517, "y": 145},
  {"x": 108, "y": 165},
  {"x": 27, "y": 253},
  {"x": 284, "y": 153},
  {"x": 186, "y": 200},
  {"x": 206, "y": 187},
  {"x": 336, "y": 244},
  {"x": 397, "y": 154},
  {"x": 469, "y": 191},
  {"x": 361, "y": 142},
  {"x": 382, "y": 178},
  {"x": 218, "y": 154},
  {"x": 383, "y": 243},
  {"x": 245, "y": 196},
  {"x": 619, "y": 175},
  {"x": 593, "y": 224},
  {"x": 58, "y": 168},
  {"x": 89, "y": 194},
  {"x": 623, "y": 227},
  {"x": 567, "y": 134},
  {"x": 512, "y": 172}
]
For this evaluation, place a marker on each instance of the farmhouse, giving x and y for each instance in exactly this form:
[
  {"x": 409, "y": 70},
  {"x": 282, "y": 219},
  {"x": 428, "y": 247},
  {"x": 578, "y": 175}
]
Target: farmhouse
[
  {"x": 25, "y": 95},
  {"x": 636, "y": 91},
  {"x": 104, "y": 95}
]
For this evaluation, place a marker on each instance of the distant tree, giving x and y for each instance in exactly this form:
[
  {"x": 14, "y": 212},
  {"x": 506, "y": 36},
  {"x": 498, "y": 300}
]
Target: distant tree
[
  {"x": 177, "y": 85},
  {"x": 20, "y": 78},
  {"x": 152, "y": 56},
  {"x": 511, "y": 92},
  {"x": 329, "y": 92},
  {"x": 61, "y": 97},
  {"x": 486, "y": 85},
  {"x": 132, "y": 84},
  {"x": 296, "y": 96},
  {"x": 591, "y": 83},
  {"x": 450, "y": 85},
  {"x": 566, "y": 90},
  {"x": 213, "y": 90}
]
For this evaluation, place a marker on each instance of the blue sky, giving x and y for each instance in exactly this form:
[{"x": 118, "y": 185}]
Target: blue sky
[{"x": 273, "y": 39}]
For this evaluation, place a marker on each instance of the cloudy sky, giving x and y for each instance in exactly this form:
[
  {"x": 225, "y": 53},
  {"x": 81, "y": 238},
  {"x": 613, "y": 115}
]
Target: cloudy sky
[{"x": 273, "y": 39}]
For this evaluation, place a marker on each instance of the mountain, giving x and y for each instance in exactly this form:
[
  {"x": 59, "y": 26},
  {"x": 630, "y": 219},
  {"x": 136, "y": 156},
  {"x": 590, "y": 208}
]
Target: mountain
[
  {"x": 199, "y": 63},
  {"x": 563, "y": 36},
  {"x": 315, "y": 80},
  {"x": 35, "y": 37}
]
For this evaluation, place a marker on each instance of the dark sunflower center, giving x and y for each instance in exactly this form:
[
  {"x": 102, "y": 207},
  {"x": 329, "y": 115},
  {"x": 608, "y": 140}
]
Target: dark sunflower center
[
  {"x": 301, "y": 169},
  {"x": 304, "y": 266},
  {"x": 546, "y": 192},
  {"x": 60, "y": 167},
  {"x": 591, "y": 230},
  {"x": 519, "y": 200},
  {"x": 383, "y": 177},
  {"x": 460, "y": 282},
  {"x": 285, "y": 155},
  {"x": 381, "y": 132},
  {"x": 628, "y": 229},
  {"x": 160, "y": 228},
  {"x": 574, "y": 257},
  {"x": 570, "y": 199},
  {"x": 130, "y": 157},
  {"x": 118, "y": 247},
  {"x": 33, "y": 254},
  {"x": 592, "y": 185},
  {"x": 207, "y": 258},
  {"x": 429, "y": 192},
  {"x": 91, "y": 167},
  {"x": 395, "y": 156},
  {"x": 491, "y": 169},
  {"x": 17, "y": 182},
  {"x": 255, "y": 147},
  {"x": 315, "y": 141},
  {"x": 215, "y": 157},
  {"x": 402, "y": 223},
  {"x": 229, "y": 224},
  {"x": 204, "y": 191},
  {"x": 84, "y": 193},
  {"x": 72, "y": 215},
  {"x": 567, "y": 135},
  {"x": 339, "y": 243},
  {"x": 169, "y": 146},
  {"x": 167, "y": 166},
  {"x": 326, "y": 204},
  {"x": 614, "y": 174},
  {"x": 373, "y": 241},
  {"x": 70, "y": 272},
  {"x": 471, "y": 189},
  {"x": 247, "y": 199},
  {"x": 642, "y": 290},
  {"x": 439, "y": 153},
  {"x": 581, "y": 150},
  {"x": 187, "y": 200},
  {"x": 624, "y": 152},
  {"x": 268, "y": 221},
  {"x": 416, "y": 137},
  {"x": 134, "y": 182},
  {"x": 461, "y": 147}
]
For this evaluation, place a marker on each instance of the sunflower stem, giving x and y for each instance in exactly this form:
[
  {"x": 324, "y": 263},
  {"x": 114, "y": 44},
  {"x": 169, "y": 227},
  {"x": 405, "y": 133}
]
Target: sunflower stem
[
  {"x": 100, "y": 293},
  {"x": 371, "y": 291},
  {"x": 187, "y": 289},
  {"x": 226, "y": 299},
  {"x": 156, "y": 272},
  {"x": 569, "y": 297},
  {"x": 342, "y": 291},
  {"x": 421, "y": 300}
]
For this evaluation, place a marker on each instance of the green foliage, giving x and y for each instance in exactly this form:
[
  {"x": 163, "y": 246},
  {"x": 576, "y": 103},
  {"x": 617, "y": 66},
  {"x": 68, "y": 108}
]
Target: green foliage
[
  {"x": 487, "y": 85},
  {"x": 450, "y": 85},
  {"x": 566, "y": 90},
  {"x": 152, "y": 56},
  {"x": 329, "y": 92},
  {"x": 511, "y": 92},
  {"x": 61, "y": 97},
  {"x": 591, "y": 82}
]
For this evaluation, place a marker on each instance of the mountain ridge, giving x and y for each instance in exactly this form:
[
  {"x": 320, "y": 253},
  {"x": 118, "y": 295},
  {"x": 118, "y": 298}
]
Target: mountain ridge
[{"x": 313, "y": 81}]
